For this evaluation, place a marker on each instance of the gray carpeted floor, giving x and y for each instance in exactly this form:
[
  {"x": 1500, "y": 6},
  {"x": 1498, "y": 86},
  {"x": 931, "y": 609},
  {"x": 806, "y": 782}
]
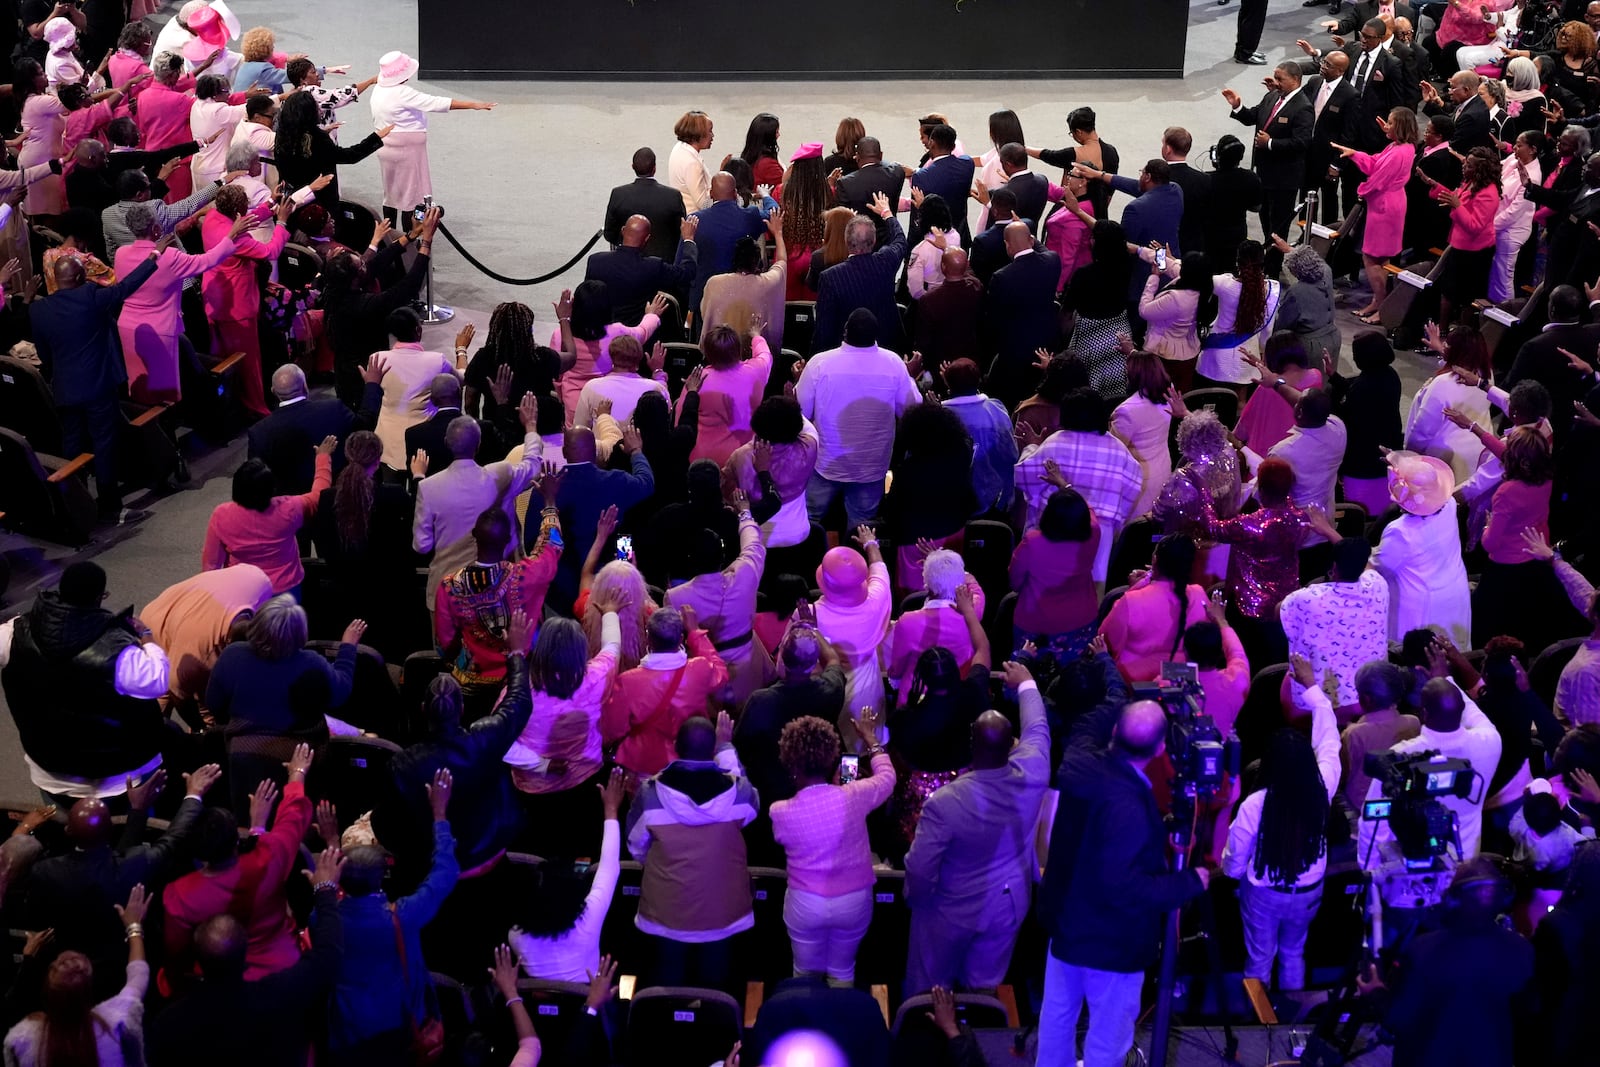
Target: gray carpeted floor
[{"x": 525, "y": 185}]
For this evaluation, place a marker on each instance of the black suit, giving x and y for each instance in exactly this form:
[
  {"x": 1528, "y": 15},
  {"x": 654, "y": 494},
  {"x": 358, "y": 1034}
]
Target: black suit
[
  {"x": 988, "y": 252},
  {"x": 1354, "y": 18},
  {"x": 1032, "y": 191},
  {"x": 428, "y": 436},
  {"x": 1473, "y": 129},
  {"x": 1537, "y": 360},
  {"x": 862, "y": 281},
  {"x": 633, "y": 276},
  {"x": 1281, "y": 162},
  {"x": 856, "y": 189},
  {"x": 1332, "y": 127},
  {"x": 1427, "y": 225},
  {"x": 1019, "y": 316},
  {"x": 1573, "y": 248},
  {"x": 661, "y": 204},
  {"x": 1196, "y": 186},
  {"x": 286, "y": 439}
]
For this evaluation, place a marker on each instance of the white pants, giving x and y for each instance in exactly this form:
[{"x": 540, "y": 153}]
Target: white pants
[
  {"x": 826, "y": 931},
  {"x": 1113, "y": 999},
  {"x": 1507, "y": 244}
]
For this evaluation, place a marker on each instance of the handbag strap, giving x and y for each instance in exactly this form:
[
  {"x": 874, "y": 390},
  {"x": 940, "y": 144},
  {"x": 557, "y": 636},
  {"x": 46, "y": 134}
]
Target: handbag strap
[
  {"x": 405, "y": 979},
  {"x": 672, "y": 691}
]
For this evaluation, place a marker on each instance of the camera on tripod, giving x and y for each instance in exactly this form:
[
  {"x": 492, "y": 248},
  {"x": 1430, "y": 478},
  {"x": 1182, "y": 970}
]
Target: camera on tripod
[
  {"x": 1411, "y": 783},
  {"x": 422, "y": 209},
  {"x": 1201, "y": 757}
]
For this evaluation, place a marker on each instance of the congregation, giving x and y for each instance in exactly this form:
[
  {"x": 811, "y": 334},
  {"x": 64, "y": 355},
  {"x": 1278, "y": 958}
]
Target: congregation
[{"x": 786, "y": 628}]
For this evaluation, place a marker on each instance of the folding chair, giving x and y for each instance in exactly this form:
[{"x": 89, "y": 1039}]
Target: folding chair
[{"x": 42, "y": 495}]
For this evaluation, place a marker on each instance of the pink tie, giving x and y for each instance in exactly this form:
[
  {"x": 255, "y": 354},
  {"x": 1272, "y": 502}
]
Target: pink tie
[{"x": 1275, "y": 109}]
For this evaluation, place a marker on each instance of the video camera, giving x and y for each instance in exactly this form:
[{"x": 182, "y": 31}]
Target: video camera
[
  {"x": 1201, "y": 757},
  {"x": 1411, "y": 783}
]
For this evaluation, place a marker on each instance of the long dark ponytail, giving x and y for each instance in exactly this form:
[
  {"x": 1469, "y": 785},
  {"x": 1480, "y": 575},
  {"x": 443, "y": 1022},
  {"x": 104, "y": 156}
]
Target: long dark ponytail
[{"x": 1174, "y": 562}]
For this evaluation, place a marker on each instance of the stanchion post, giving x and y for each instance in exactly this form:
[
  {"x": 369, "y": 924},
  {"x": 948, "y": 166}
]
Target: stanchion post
[{"x": 433, "y": 314}]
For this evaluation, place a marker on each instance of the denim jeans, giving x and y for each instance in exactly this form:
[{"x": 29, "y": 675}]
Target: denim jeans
[
  {"x": 861, "y": 500},
  {"x": 826, "y": 931},
  {"x": 1113, "y": 1010},
  {"x": 1276, "y": 924}
]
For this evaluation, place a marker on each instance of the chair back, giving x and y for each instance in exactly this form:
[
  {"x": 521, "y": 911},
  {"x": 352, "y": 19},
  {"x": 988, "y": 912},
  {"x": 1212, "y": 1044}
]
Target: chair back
[
  {"x": 1350, "y": 519},
  {"x": 299, "y": 265},
  {"x": 682, "y": 357},
  {"x": 354, "y": 223},
  {"x": 374, "y": 702},
  {"x": 986, "y": 549},
  {"x": 619, "y": 936},
  {"x": 555, "y": 1008},
  {"x": 774, "y": 954},
  {"x": 59, "y": 510},
  {"x": 1135, "y": 545},
  {"x": 799, "y": 324},
  {"x": 682, "y": 1026},
  {"x": 1547, "y": 666},
  {"x": 1225, "y": 402},
  {"x": 28, "y": 406},
  {"x": 973, "y": 1010},
  {"x": 350, "y": 772},
  {"x": 1262, "y": 713},
  {"x": 881, "y": 959},
  {"x": 416, "y": 675}
]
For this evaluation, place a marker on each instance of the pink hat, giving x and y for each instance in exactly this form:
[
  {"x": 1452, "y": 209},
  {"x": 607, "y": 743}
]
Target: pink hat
[
  {"x": 843, "y": 577},
  {"x": 60, "y": 34},
  {"x": 1420, "y": 484},
  {"x": 395, "y": 68},
  {"x": 207, "y": 25},
  {"x": 809, "y": 150}
]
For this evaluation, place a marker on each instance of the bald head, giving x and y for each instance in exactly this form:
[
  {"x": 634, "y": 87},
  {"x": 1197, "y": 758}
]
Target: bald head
[
  {"x": 577, "y": 445},
  {"x": 1442, "y": 705},
  {"x": 444, "y": 392},
  {"x": 89, "y": 823},
  {"x": 1141, "y": 731},
  {"x": 462, "y": 437},
  {"x": 288, "y": 382},
  {"x": 69, "y": 273},
  {"x": 953, "y": 264},
  {"x": 1018, "y": 238},
  {"x": 722, "y": 186},
  {"x": 635, "y": 232},
  {"x": 1338, "y": 63},
  {"x": 90, "y": 154},
  {"x": 219, "y": 946},
  {"x": 991, "y": 741}
]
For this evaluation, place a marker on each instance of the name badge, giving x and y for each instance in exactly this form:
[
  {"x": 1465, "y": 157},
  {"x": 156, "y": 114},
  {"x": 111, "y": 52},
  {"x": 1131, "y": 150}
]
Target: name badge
[{"x": 1280, "y": 118}]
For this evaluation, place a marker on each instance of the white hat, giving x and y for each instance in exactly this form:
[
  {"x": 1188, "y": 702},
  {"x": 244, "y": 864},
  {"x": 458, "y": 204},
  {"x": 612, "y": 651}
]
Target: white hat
[{"x": 395, "y": 68}]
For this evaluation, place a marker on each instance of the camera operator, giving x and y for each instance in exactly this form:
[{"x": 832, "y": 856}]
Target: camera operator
[
  {"x": 1460, "y": 992},
  {"x": 1278, "y": 843},
  {"x": 1455, "y": 727},
  {"x": 1107, "y": 886}
]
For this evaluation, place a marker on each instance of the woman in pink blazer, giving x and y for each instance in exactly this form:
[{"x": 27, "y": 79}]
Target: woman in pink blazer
[
  {"x": 151, "y": 323},
  {"x": 1385, "y": 194},
  {"x": 232, "y": 293},
  {"x": 1464, "y": 275},
  {"x": 44, "y": 126},
  {"x": 163, "y": 120},
  {"x": 593, "y": 327}
]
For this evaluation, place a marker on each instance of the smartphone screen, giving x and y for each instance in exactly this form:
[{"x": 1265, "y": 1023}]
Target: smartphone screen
[
  {"x": 849, "y": 769},
  {"x": 625, "y": 548}
]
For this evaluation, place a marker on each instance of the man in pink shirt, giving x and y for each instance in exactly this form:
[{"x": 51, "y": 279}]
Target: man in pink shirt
[
  {"x": 853, "y": 615},
  {"x": 151, "y": 323},
  {"x": 671, "y": 684},
  {"x": 937, "y": 624}
]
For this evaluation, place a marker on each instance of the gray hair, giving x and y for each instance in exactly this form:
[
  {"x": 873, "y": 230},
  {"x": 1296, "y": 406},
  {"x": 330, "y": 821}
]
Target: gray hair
[
  {"x": 1580, "y": 135},
  {"x": 1201, "y": 433},
  {"x": 167, "y": 67},
  {"x": 860, "y": 235},
  {"x": 279, "y": 629},
  {"x": 943, "y": 572},
  {"x": 242, "y": 155},
  {"x": 288, "y": 382},
  {"x": 1497, "y": 89},
  {"x": 141, "y": 221},
  {"x": 1307, "y": 265}
]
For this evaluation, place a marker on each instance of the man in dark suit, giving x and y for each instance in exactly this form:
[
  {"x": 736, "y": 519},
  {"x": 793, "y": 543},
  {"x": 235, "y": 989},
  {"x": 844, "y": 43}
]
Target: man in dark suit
[
  {"x": 1155, "y": 214},
  {"x": 1415, "y": 65},
  {"x": 1333, "y": 101},
  {"x": 1377, "y": 77},
  {"x": 1196, "y": 186},
  {"x": 1360, "y": 14},
  {"x": 1471, "y": 114},
  {"x": 286, "y": 439},
  {"x": 633, "y": 274},
  {"x": 871, "y": 177},
  {"x": 989, "y": 247},
  {"x": 1540, "y": 359},
  {"x": 1020, "y": 315},
  {"x": 1283, "y": 122},
  {"x": 1574, "y": 249},
  {"x": 661, "y": 204},
  {"x": 947, "y": 174},
  {"x": 1427, "y": 226},
  {"x": 75, "y": 333},
  {"x": 1030, "y": 191},
  {"x": 946, "y": 323},
  {"x": 720, "y": 227},
  {"x": 864, "y": 280}
]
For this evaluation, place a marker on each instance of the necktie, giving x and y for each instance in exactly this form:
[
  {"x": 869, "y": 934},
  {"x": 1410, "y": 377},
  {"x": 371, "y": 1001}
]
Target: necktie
[
  {"x": 1274, "y": 112},
  {"x": 1322, "y": 99},
  {"x": 1361, "y": 71}
]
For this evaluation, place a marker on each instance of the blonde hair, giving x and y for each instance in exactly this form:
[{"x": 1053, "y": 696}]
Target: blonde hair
[
  {"x": 620, "y": 582},
  {"x": 258, "y": 45}
]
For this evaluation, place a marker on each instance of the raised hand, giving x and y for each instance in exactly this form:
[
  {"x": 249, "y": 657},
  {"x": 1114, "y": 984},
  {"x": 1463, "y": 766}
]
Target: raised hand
[
  {"x": 500, "y": 385},
  {"x": 372, "y": 372},
  {"x": 657, "y": 306},
  {"x": 943, "y": 1014},
  {"x": 199, "y": 781},
  {"x": 1304, "y": 675},
  {"x": 519, "y": 631},
  {"x": 439, "y": 793},
  {"x": 864, "y": 534},
  {"x": 606, "y": 525},
  {"x": 326, "y": 446},
  {"x": 352, "y": 633},
  {"x": 1015, "y": 673},
  {"x": 504, "y": 972},
  {"x": 328, "y": 867},
  {"x": 261, "y": 802},
  {"x": 1233, "y": 98},
  {"x": 134, "y": 911},
  {"x": 724, "y": 728},
  {"x": 326, "y": 820},
  {"x": 601, "y": 985},
  {"x": 549, "y": 482},
  {"x": 1053, "y": 475},
  {"x": 419, "y": 465},
  {"x": 142, "y": 795},
  {"x": 1535, "y": 544},
  {"x": 612, "y": 792},
  {"x": 867, "y": 721}
]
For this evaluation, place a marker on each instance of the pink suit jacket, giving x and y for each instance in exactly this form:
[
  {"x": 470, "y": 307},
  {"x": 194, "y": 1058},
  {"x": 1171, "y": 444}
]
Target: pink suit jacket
[
  {"x": 152, "y": 320},
  {"x": 231, "y": 291},
  {"x": 163, "y": 122}
]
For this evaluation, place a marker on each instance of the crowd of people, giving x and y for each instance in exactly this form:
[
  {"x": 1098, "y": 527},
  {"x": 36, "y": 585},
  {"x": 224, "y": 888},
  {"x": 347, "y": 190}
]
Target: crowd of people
[{"x": 810, "y": 539}]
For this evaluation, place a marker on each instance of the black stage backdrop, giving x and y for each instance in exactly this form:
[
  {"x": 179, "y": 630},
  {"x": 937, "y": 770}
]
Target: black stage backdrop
[{"x": 824, "y": 39}]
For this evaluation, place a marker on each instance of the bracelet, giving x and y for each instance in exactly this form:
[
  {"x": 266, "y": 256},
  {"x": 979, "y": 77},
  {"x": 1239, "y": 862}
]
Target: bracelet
[
  {"x": 875, "y": 750},
  {"x": 134, "y": 930},
  {"x": 870, "y": 544},
  {"x": 563, "y": 318},
  {"x": 513, "y": 1000},
  {"x": 320, "y": 886}
]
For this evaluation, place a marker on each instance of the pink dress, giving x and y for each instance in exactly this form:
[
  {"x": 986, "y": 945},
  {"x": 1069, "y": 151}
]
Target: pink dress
[
  {"x": 1385, "y": 194},
  {"x": 1465, "y": 23},
  {"x": 44, "y": 125},
  {"x": 151, "y": 321},
  {"x": 233, "y": 300},
  {"x": 726, "y": 399},
  {"x": 164, "y": 122},
  {"x": 594, "y": 358}
]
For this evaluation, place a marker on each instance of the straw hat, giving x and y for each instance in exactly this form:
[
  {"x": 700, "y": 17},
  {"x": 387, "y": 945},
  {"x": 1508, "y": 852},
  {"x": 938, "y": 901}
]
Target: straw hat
[{"x": 1420, "y": 484}]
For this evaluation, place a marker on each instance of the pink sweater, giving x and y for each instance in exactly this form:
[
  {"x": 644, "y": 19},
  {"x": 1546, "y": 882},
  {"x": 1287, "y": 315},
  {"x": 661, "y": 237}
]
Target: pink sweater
[
  {"x": 726, "y": 399},
  {"x": 266, "y": 538},
  {"x": 1516, "y": 506},
  {"x": 1143, "y": 625},
  {"x": 823, "y": 831},
  {"x": 1054, "y": 581}
]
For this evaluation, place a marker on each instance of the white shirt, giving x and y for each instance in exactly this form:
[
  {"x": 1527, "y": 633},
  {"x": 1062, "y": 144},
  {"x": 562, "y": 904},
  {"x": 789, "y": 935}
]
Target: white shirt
[
  {"x": 1238, "y": 857},
  {"x": 687, "y": 173},
  {"x": 1339, "y": 627},
  {"x": 622, "y": 388},
  {"x": 574, "y": 955},
  {"x": 206, "y": 118},
  {"x": 404, "y": 108},
  {"x": 1477, "y": 742},
  {"x": 1514, "y": 216},
  {"x": 854, "y": 396}
]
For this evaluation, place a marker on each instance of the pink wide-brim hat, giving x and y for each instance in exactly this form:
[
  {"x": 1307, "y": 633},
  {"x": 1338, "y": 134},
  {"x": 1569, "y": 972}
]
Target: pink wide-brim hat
[
  {"x": 842, "y": 577},
  {"x": 209, "y": 26},
  {"x": 395, "y": 68},
  {"x": 1420, "y": 484}
]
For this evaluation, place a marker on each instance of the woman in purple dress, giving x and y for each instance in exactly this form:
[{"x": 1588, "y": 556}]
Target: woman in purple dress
[{"x": 1385, "y": 194}]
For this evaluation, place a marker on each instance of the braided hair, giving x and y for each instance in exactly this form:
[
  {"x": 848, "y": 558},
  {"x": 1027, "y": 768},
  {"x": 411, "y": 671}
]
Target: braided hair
[{"x": 1294, "y": 814}]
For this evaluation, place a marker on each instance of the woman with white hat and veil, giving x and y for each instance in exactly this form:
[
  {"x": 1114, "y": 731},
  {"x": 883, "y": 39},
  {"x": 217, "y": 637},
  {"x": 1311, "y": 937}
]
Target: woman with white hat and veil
[
  {"x": 404, "y": 155},
  {"x": 1420, "y": 552}
]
